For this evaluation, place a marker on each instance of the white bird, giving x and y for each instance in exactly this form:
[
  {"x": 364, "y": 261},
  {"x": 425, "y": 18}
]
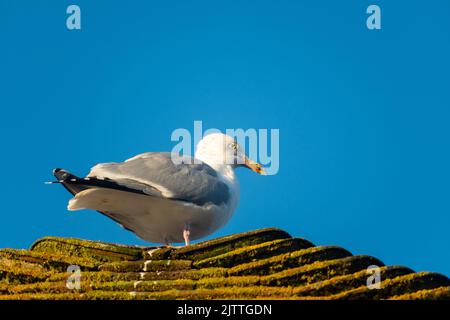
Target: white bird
[{"x": 162, "y": 200}]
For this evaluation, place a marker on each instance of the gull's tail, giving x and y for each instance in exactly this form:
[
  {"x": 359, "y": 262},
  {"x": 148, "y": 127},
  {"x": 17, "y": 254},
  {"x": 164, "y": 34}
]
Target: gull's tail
[
  {"x": 76, "y": 185},
  {"x": 68, "y": 181}
]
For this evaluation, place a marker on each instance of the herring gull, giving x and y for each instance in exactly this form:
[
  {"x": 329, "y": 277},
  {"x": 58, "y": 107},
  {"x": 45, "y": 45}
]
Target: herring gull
[{"x": 162, "y": 200}]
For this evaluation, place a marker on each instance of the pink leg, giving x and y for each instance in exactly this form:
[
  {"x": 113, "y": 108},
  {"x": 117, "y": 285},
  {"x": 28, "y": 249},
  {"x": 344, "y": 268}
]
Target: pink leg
[{"x": 186, "y": 234}]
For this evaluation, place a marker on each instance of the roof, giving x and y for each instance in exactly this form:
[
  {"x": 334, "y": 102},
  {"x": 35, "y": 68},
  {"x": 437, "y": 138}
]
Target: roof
[{"x": 260, "y": 264}]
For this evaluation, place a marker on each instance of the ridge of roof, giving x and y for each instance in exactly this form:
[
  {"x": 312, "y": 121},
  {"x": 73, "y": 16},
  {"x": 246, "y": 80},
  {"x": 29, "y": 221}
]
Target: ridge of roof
[{"x": 260, "y": 264}]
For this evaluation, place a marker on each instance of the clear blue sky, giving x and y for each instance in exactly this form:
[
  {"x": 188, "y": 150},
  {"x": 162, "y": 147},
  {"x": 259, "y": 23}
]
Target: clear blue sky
[{"x": 363, "y": 115}]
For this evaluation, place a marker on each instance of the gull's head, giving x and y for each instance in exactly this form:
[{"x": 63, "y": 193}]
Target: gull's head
[{"x": 218, "y": 149}]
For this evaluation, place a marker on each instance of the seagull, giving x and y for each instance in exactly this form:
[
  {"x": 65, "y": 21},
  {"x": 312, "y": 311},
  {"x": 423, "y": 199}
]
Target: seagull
[{"x": 163, "y": 197}]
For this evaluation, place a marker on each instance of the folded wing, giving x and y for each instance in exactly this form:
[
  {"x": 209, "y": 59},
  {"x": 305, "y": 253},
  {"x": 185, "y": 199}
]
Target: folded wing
[{"x": 155, "y": 174}]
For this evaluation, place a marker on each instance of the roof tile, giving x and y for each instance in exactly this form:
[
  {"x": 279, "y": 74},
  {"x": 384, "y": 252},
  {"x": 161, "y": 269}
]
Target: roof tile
[{"x": 260, "y": 264}]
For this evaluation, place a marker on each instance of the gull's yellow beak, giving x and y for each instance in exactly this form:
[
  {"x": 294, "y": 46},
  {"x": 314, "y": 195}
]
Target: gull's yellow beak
[{"x": 255, "y": 166}]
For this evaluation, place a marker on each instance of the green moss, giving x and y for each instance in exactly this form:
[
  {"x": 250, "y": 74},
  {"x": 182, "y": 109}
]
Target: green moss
[
  {"x": 252, "y": 292},
  {"x": 55, "y": 261},
  {"x": 441, "y": 293},
  {"x": 97, "y": 276},
  {"x": 108, "y": 295},
  {"x": 400, "y": 285},
  {"x": 43, "y": 296},
  {"x": 347, "y": 282},
  {"x": 262, "y": 264},
  {"x": 255, "y": 252},
  {"x": 192, "y": 274},
  {"x": 199, "y": 294},
  {"x": 149, "y": 266},
  {"x": 4, "y": 287},
  {"x": 319, "y": 271},
  {"x": 57, "y": 287},
  {"x": 108, "y": 276},
  {"x": 158, "y": 253},
  {"x": 289, "y": 260},
  {"x": 223, "y": 245},
  {"x": 45, "y": 287},
  {"x": 179, "y": 284},
  {"x": 126, "y": 266},
  {"x": 208, "y": 273},
  {"x": 147, "y": 286},
  {"x": 104, "y": 252},
  {"x": 16, "y": 271},
  {"x": 210, "y": 283}
]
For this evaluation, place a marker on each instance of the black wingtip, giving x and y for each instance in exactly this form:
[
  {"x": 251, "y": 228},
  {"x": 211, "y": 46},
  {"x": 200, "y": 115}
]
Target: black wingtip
[
  {"x": 62, "y": 174},
  {"x": 59, "y": 173},
  {"x": 68, "y": 180}
]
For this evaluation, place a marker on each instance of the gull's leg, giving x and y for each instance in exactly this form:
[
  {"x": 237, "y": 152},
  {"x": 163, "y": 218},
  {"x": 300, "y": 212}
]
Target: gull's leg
[{"x": 186, "y": 234}]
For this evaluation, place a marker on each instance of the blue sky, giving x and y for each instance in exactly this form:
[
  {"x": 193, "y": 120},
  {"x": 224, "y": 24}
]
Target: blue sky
[{"x": 363, "y": 115}]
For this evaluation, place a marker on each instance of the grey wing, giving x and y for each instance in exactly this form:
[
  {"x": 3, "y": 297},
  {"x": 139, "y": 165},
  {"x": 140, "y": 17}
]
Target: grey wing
[{"x": 155, "y": 174}]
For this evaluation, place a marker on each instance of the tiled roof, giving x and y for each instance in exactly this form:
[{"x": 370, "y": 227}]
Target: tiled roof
[{"x": 260, "y": 264}]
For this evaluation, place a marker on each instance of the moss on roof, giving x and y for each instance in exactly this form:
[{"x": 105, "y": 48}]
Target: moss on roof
[{"x": 260, "y": 264}]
